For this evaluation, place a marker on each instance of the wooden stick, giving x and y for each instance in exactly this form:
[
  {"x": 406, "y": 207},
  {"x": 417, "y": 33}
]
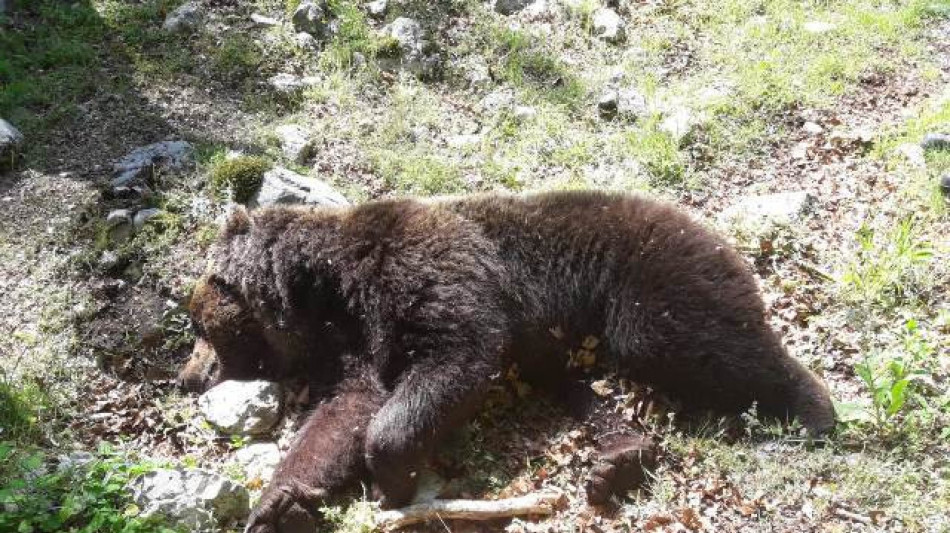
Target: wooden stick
[
  {"x": 848, "y": 515},
  {"x": 533, "y": 504}
]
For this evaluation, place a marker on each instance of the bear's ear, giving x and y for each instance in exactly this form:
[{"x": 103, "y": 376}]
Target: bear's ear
[{"x": 238, "y": 223}]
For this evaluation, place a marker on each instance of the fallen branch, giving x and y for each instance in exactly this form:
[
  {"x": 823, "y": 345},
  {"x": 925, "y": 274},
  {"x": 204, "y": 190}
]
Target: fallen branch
[
  {"x": 848, "y": 515},
  {"x": 532, "y": 504}
]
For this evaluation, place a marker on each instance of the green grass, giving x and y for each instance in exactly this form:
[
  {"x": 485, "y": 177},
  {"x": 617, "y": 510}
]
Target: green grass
[
  {"x": 39, "y": 497},
  {"x": 45, "y": 64},
  {"x": 889, "y": 269},
  {"x": 242, "y": 176}
]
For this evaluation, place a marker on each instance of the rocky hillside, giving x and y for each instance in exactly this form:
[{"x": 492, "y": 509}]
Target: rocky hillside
[{"x": 815, "y": 135}]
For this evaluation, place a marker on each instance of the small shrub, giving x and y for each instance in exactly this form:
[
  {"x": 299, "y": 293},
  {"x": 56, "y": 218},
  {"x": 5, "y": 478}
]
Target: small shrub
[
  {"x": 237, "y": 57},
  {"x": 242, "y": 176},
  {"x": 886, "y": 270},
  {"x": 36, "y": 497},
  {"x": 18, "y": 410}
]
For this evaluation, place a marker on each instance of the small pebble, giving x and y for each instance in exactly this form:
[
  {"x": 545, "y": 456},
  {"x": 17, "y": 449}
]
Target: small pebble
[{"x": 935, "y": 141}]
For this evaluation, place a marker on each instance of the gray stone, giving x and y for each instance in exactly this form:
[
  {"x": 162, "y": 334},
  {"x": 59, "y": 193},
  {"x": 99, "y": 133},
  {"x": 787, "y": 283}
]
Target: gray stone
[
  {"x": 108, "y": 260},
  {"x": 258, "y": 460},
  {"x": 143, "y": 216},
  {"x": 812, "y": 128},
  {"x": 119, "y": 225},
  {"x": 295, "y": 143},
  {"x": 10, "y": 142},
  {"x": 819, "y": 27},
  {"x": 263, "y": 20},
  {"x": 935, "y": 141},
  {"x": 282, "y": 186},
  {"x": 679, "y": 124},
  {"x": 608, "y": 25},
  {"x": 312, "y": 17},
  {"x": 242, "y": 407},
  {"x": 74, "y": 460},
  {"x": 186, "y": 17},
  {"x": 628, "y": 104},
  {"x": 412, "y": 56},
  {"x": 306, "y": 41},
  {"x": 913, "y": 154},
  {"x": 523, "y": 113},
  {"x": 190, "y": 498},
  {"x": 498, "y": 100},
  {"x": 463, "y": 141},
  {"x": 759, "y": 214},
  {"x": 377, "y": 8},
  {"x": 477, "y": 73},
  {"x": 290, "y": 84},
  {"x": 509, "y": 7},
  {"x": 172, "y": 155},
  {"x": 945, "y": 184}
]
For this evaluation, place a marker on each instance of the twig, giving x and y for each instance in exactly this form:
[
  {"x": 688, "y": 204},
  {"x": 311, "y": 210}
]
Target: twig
[
  {"x": 814, "y": 270},
  {"x": 532, "y": 504},
  {"x": 848, "y": 515}
]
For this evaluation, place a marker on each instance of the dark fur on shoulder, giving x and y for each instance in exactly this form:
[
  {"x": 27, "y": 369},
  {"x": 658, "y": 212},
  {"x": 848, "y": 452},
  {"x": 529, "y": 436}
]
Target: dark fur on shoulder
[{"x": 438, "y": 297}]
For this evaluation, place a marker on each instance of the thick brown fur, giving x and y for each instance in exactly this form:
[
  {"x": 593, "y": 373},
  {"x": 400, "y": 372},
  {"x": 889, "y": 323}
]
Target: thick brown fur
[
  {"x": 438, "y": 297},
  {"x": 325, "y": 460}
]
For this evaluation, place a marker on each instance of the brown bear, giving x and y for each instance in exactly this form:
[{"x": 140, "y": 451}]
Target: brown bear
[{"x": 436, "y": 298}]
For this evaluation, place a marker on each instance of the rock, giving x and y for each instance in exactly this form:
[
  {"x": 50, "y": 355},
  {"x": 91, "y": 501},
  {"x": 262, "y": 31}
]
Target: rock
[
  {"x": 608, "y": 25},
  {"x": 283, "y": 186},
  {"x": 628, "y": 104},
  {"x": 242, "y": 407},
  {"x": 812, "y": 128},
  {"x": 463, "y": 141},
  {"x": 759, "y": 214},
  {"x": 172, "y": 155},
  {"x": 119, "y": 225},
  {"x": 10, "y": 142},
  {"x": 509, "y": 7},
  {"x": 143, "y": 216},
  {"x": 477, "y": 73},
  {"x": 108, "y": 260},
  {"x": 818, "y": 27},
  {"x": 186, "y": 17},
  {"x": 312, "y": 17},
  {"x": 523, "y": 113},
  {"x": 935, "y": 141},
  {"x": 263, "y": 20},
  {"x": 190, "y": 498},
  {"x": 498, "y": 100},
  {"x": 290, "y": 84},
  {"x": 679, "y": 124},
  {"x": 377, "y": 8},
  {"x": 945, "y": 184},
  {"x": 411, "y": 55},
  {"x": 74, "y": 460},
  {"x": 306, "y": 41},
  {"x": 913, "y": 154},
  {"x": 295, "y": 143},
  {"x": 258, "y": 460}
]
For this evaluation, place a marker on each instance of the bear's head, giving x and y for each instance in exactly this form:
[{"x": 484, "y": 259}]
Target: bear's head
[{"x": 230, "y": 340}]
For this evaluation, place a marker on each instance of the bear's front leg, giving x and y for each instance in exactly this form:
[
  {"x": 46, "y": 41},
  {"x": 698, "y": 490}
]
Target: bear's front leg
[
  {"x": 325, "y": 460},
  {"x": 432, "y": 400}
]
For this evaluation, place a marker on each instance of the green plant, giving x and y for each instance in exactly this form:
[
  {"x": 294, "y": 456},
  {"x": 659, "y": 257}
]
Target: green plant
[
  {"x": 241, "y": 175},
  {"x": 884, "y": 271},
  {"x": 20, "y": 406},
  {"x": 37, "y": 497},
  {"x": 237, "y": 57}
]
